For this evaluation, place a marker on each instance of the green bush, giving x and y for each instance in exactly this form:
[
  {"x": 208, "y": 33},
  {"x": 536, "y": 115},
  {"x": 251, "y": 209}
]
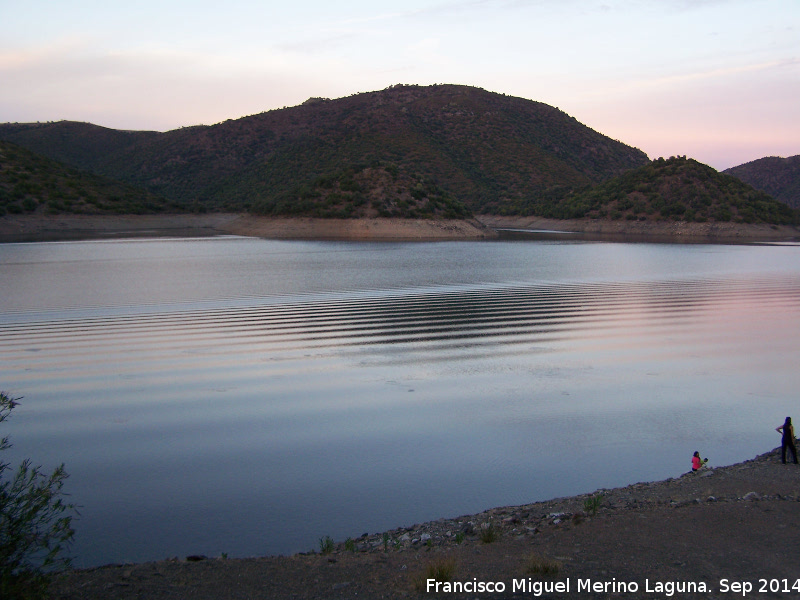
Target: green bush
[
  {"x": 35, "y": 523},
  {"x": 592, "y": 504},
  {"x": 489, "y": 533},
  {"x": 326, "y": 544}
]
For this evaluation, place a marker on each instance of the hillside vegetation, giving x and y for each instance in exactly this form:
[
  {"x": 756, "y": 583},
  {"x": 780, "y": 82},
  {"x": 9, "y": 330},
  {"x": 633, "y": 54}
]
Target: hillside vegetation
[
  {"x": 466, "y": 149},
  {"x": 31, "y": 183},
  {"x": 676, "y": 188},
  {"x": 778, "y": 177},
  {"x": 366, "y": 191},
  {"x": 442, "y": 151}
]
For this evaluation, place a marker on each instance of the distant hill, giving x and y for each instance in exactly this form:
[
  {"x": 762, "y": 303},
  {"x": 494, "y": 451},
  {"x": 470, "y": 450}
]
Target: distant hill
[
  {"x": 82, "y": 145},
  {"x": 676, "y": 188},
  {"x": 31, "y": 183},
  {"x": 779, "y": 177},
  {"x": 442, "y": 150}
]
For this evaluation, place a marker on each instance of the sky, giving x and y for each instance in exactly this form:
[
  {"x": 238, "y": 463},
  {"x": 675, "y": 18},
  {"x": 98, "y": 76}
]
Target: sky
[{"x": 716, "y": 80}]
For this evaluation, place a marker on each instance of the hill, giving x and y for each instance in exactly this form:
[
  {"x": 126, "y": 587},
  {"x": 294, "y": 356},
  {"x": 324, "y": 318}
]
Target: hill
[
  {"x": 442, "y": 150},
  {"x": 779, "y": 177},
  {"x": 82, "y": 145},
  {"x": 678, "y": 189},
  {"x": 31, "y": 183}
]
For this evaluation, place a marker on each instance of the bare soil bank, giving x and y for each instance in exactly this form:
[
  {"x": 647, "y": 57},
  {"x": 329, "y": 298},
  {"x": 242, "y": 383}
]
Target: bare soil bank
[
  {"x": 359, "y": 229},
  {"x": 738, "y": 523},
  {"x": 15, "y": 228},
  {"x": 26, "y": 228}
]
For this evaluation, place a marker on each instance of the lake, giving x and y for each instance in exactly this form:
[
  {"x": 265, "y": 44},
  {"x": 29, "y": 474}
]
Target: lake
[{"x": 246, "y": 396}]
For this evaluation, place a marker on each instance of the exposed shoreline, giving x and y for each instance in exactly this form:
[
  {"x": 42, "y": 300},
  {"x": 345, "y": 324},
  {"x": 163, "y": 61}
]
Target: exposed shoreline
[
  {"x": 22, "y": 228},
  {"x": 25, "y": 228},
  {"x": 734, "y": 523},
  {"x": 375, "y": 229},
  {"x": 661, "y": 231}
]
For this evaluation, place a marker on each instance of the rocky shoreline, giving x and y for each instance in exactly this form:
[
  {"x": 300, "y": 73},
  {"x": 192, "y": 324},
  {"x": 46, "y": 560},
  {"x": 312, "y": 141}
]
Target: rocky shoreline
[
  {"x": 737, "y": 523},
  {"x": 22, "y": 228}
]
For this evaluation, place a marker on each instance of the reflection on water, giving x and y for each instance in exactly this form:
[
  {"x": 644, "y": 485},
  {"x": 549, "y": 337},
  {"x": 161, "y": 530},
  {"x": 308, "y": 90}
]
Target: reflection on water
[{"x": 248, "y": 397}]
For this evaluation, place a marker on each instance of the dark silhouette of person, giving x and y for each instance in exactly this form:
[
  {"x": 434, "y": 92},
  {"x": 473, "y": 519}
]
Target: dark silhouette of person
[{"x": 787, "y": 441}]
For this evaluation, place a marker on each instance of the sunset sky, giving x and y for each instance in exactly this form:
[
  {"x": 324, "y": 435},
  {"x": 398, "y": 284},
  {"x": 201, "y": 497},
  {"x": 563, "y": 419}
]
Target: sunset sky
[{"x": 717, "y": 80}]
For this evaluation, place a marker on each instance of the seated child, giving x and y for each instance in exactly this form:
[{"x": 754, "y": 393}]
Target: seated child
[{"x": 697, "y": 462}]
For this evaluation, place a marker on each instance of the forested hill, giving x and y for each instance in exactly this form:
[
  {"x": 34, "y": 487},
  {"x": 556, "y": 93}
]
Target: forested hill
[
  {"x": 677, "y": 189},
  {"x": 32, "y": 183},
  {"x": 405, "y": 151},
  {"x": 779, "y": 177}
]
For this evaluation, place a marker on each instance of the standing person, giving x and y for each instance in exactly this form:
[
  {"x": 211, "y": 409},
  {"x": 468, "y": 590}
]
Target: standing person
[{"x": 787, "y": 441}]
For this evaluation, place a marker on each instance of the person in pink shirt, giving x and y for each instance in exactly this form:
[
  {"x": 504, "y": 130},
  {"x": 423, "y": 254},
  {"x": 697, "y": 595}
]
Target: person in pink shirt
[{"x": 697, "y": 462}]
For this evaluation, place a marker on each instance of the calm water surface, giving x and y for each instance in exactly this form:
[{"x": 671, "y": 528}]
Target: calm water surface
[{"x": 249, "y": 396}]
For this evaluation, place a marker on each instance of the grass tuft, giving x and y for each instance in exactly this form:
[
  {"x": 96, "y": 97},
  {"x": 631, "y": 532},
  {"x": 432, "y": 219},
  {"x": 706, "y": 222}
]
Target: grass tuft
[
  {"x": 326, "y": 545},
  {"x": 542, "y": 566},
  {"x": 489, "y": 533},
  {"x": 440, "y": 569},
  {"x": 592, "y": 503}
]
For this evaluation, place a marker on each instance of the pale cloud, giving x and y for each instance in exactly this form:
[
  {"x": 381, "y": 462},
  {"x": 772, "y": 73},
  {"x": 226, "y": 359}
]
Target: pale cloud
[
  {"x": 157, "y": 88},
  {"x": 669, "y": 83},
  {"x": 666, "y": 76},
  {"x": 24, "y": 57},
  {"x": 429, "y": 52},
  {"x": 319, "y": 44},
  {"x": 723, "y": 118}
]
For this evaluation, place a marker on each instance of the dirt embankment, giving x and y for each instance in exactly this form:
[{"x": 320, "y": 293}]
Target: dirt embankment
[
  {"x": 359, "y": 229},
  {"x": 24, "y": 228},
  {"x": 702, "y": 532},
  {"x": 76, "y": 227}
]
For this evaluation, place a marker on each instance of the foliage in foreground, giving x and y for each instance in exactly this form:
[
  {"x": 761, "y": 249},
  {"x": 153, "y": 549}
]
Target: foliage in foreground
[{"x": 35, "y": 522}]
